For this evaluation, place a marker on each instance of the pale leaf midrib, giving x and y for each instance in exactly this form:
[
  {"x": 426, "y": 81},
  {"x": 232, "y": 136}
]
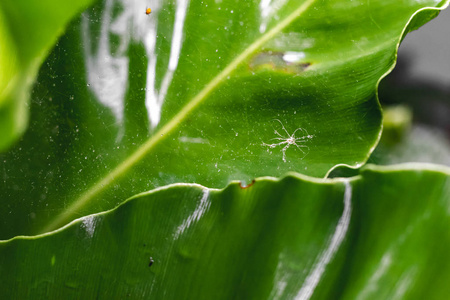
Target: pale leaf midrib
[{"x": 145, "y": 148}]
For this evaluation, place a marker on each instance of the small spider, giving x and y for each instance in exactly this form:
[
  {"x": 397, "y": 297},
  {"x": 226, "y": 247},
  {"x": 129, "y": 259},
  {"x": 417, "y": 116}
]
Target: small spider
[{"x": 289, "y": 140}]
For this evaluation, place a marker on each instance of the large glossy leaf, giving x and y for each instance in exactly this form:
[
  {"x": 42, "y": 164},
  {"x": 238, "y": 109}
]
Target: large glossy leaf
[
  {"x": 28, "y": 29},
  {"x": 382, "y": 235},
  {"x": 200, "y": 91}
]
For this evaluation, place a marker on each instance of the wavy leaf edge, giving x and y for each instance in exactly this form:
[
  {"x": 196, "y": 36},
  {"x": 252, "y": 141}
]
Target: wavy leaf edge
[
  {"x": 404, "y": 167},
  {"x": 402, "y": 36}
]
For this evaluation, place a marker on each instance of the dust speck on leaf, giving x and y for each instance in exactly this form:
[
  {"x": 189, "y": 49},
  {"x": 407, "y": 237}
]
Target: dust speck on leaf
[{"x": 151, "y": 261}]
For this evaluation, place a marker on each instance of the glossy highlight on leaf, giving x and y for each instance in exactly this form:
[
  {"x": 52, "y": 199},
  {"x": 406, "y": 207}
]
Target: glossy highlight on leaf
[{"x": 379, "y": 235}]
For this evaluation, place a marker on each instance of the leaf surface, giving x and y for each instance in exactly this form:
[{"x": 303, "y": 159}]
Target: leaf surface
[
  {"x": 204, "y": 92},
  {"x": 380, "y": 235}
]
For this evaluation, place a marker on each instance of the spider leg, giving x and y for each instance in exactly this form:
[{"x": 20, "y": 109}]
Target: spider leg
[
  {"x": 274, "y": 145},
  {"x": 302, "y": 130},
  {"x": 300, "y": 148},
  {"x": 277, "y": 133},
  {"x": 269, "y": 145},
  {"x": 282, "y": 126},
  {"x": 284, "y": 152},
  {"x": 302, "y": 139},
  {"x": 304, "y": 154}
]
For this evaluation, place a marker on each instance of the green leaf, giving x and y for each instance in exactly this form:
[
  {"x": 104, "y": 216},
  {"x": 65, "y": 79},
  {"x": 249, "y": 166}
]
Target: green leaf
[
  {"x": 28, "y": 29},
  {"x": 234, "y": 78},
  {"x": 381, "y": 235}
]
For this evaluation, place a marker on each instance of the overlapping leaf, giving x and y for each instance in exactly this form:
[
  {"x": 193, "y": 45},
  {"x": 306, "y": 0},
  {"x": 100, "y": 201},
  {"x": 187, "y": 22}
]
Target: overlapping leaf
[
  {"x": 381, "y": 235},
  {"x": 28, "y": 29}
]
